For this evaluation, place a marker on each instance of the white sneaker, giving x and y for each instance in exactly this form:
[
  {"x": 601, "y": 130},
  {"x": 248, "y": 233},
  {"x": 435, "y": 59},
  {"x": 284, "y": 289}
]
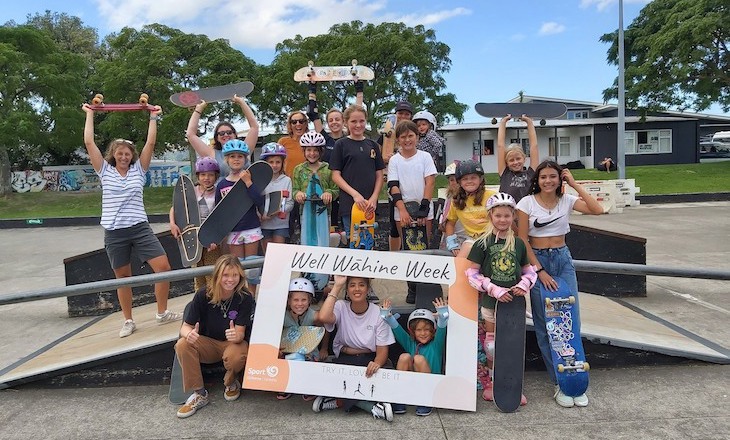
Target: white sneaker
[
  {"x": 127, "y": 328},
  {"x": 581, "y": 400},
  {"x": 232, "y": 391},
  {"x": 194, "y": 403},
  {"x": 562, "y": 399},
  {"x": 168, "y": 316},
  {"x": 382, "y": 410}
]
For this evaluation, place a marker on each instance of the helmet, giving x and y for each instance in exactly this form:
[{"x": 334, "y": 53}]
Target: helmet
[
  {"x": 501, "y": 199},
  {"x": 235, "y": 146},
  {"x": 421, "y": 314},
  {"x": 206, "y": 165},
  {"x": 425, "y": 115},
  {"x": 301, "y": 285},
  {"x": 468, "y": 167},
  {"x": 450, "y": 170},
  {"x": 272, "y": 149},
  {"x": 312, "y": 139}
]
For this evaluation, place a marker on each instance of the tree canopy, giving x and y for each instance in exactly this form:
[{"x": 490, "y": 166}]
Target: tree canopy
[{"x": 676, "y": 55}]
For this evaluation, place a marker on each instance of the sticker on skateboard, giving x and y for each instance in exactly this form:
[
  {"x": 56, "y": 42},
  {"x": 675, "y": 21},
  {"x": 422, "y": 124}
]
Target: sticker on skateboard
[
  {"x": 313, "y": 73},
  {"x": 563, "y": 332},
  {"x": 227, "y": 213},
  {"x": 191, "y": 98},
  {"x": 388, "y": 132},
  {"x": 535, "y": 110},
  {"x": 509, "y": 354},
  {"x": 98, "y": 105},
  {"x": 362, "y": 229},
  {"x": 301, "y": 339},
  {"x": 187, "y": 219},
  {"x": 414, "y": 235}
]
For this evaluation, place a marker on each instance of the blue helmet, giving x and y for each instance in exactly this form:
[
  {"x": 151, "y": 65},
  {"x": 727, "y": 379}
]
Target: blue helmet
[{"x": 235, "y": 146}]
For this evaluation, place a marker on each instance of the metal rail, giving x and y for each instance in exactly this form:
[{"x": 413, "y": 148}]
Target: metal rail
[{"x": 182, "y": 274}]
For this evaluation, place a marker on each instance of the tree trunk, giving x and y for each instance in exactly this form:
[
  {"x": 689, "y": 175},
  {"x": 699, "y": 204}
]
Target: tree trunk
[{"x": 5, "y": 176}]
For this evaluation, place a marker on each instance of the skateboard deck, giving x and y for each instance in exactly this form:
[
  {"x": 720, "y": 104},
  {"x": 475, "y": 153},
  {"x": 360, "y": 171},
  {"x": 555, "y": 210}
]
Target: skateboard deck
[
  {"x": 566, "y": 346},
  {"x": 97, "y": 104},
  {"x": 509, "y": 354},
  {"x": 315, "y": 227},
  {"x": 362, "y": 229},
  {"x": 233, "y": 206},
  {"x": 301, "y": 339},
  {"x": 191, "y": 98},
  {"x": 414, "y": 236},
  {"x": 537, "y": 110},
  {"x": 272, "y": 205},
  {"x": 313, "y": 73},
  {"x": 388, "y": 132},
  {"x": 187, "y": 218},
  {"x": 177, "y": 394}
]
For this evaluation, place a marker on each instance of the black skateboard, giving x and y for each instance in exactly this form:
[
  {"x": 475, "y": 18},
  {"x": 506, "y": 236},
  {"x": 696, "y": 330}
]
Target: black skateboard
[
  {"x": 187, "y": 218},
  {"x": 509, "y": 354},
  {"x": 233, "y": 206},
  {"x": 535, "y": 110}
]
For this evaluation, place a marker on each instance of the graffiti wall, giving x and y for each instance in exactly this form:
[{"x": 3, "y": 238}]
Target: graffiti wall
[{"x": 83, "y": 177}]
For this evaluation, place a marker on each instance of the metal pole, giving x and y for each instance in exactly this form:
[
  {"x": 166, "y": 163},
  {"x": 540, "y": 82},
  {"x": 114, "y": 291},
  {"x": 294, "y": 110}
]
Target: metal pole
[{"x": 621, "y": 125}]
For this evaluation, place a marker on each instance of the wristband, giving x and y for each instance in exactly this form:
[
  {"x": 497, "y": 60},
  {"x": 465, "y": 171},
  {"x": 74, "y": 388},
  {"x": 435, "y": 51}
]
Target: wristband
[
  {"x": 540, "y": 270},
  {"x": 359, "y": 86},
  {"x": 155, "y": 118},
  {"x": 333, "y": 296},
  {"x": 198, "y": 112}
]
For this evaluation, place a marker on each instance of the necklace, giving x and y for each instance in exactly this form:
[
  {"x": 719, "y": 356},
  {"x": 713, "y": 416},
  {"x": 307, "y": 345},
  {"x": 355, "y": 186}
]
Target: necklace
[
  {"x": 549, "y": 208},
  {"x": 225, "y": 305}
]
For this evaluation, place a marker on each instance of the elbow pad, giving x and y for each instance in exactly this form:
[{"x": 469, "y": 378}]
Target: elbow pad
[
  {"x": 392, "y": 183},
  {"x": 452, "y": 242}
]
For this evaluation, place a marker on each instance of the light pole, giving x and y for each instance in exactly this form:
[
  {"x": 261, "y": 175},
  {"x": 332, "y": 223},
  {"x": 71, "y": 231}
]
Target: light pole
[{"x": 620, "y": 137}]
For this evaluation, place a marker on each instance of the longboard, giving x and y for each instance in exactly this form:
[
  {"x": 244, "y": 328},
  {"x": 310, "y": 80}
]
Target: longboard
[
  {"x": 388, "y": 132},
  {"x": 313, "y": 73},
  {"x": 187, "y": 218},
  {"x": 509, "y": 354},
  {"x": 191, "y": 98},
  {"x": 362, "y": 229},
  {"x": 301, "y": 339},
  {"x": 566, "y": 346},
  {"x": 98, "y": 105},
  {"x": 315, "y": 227},
  {"x": 226, "y": 214},
  {"x": 539, "y": 110}
]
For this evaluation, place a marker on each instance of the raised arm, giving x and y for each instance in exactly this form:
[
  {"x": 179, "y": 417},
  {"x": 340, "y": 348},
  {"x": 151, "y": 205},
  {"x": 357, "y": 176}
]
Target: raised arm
[
  {"x": 501, "y": 147},
  {"x": 312, "y": 110},
  {"x": 326, "y": 313},
  {"x": 97, "y": 160},
  {"x": 253, "y": 132},
  {"x": 532, "y": 137},
  {"x": 201, "y": 147},
  {"x": 359, "y": 87},
  {"x": 145, "y": 157},
  {"x": 586, "y": 204}
]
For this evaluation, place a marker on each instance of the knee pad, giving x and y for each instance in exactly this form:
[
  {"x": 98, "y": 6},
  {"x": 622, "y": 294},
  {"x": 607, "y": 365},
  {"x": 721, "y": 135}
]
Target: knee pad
[
  {"x": 489, "y": 345},
  {"x": 488, "y": 315}
]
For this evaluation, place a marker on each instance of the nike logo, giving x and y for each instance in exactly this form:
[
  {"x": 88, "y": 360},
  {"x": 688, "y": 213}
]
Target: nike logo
[{"x": 537, "y": 224}]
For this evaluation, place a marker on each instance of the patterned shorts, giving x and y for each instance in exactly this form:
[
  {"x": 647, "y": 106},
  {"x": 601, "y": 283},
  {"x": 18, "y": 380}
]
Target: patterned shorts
[{"x": 245, "y": 237}]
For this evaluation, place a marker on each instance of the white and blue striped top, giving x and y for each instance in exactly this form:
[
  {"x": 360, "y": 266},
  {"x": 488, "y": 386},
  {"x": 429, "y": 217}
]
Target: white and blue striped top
[{"x": 121, "y": 197}]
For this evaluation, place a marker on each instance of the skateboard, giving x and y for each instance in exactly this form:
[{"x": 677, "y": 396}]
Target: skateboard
[
  {"x": 177, "y": 394},
  {"x": 536, "y": 110},
  {"x": 388, "y": 132},
  {"x": 362, "y": 229},
  {"x": 233, "y": 206},
  {"x": 313, "y": 73},
  {"x": 187, "y": 218},
  {"x": 97, "y": 104},
  {"x": 509, "y": 354},
  {"x": 566, "y": 346},
  {"x": 414, "y": 236},
  {"x": 301, "y": 339},
  {"x": 315, "y": 227},
  {"x": 191, "y": 98},
  {"x": 272, "y": 205}
]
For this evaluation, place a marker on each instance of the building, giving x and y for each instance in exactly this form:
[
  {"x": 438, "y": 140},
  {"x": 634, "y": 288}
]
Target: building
[{"x": 587, "y": 133}]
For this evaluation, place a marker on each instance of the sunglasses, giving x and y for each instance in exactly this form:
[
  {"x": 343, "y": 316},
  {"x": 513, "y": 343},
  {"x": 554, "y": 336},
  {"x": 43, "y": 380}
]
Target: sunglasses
[
  {"x": 225, "y": 133},
  {"x": 298, "y": 121}
]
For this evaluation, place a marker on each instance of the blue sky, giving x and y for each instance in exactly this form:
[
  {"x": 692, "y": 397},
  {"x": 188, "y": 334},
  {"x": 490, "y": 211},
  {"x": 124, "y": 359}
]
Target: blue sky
[{"x": 546, "y": 48}]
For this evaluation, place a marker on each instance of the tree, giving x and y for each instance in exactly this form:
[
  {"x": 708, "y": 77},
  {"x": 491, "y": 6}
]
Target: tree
[
  {"x": 41, "y": 84},
  {"x": 159, "y": 60},
  {"x": 676, "y": 55},
  {"x": 408, "y": 64}
]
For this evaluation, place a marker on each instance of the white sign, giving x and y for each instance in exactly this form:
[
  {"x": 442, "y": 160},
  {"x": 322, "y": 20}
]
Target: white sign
[{"x": 455, "y": 389}]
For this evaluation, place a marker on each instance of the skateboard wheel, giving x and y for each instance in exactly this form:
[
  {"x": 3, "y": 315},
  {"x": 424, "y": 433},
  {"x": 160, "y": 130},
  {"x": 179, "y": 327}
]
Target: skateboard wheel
[
  {"x": 561, "y": 368},
  {"x": 310, "y": 63},
  {"x": 354, "y": 62},
  {"x": 542, "y": 122},
  {"x": 143, "y": 98},
  {"x": 548, "y": 302},
  {"x": 97, "y": 99},
  {"x": 571, "y": 299},
  {"x": 375, "y": 225},
  {"x": 586, "y": 366},
  {"x": 494, "y": 121}
]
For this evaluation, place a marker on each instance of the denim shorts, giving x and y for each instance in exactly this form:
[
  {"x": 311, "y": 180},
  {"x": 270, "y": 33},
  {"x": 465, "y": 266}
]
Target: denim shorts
[{"x": 283, "y": 232}]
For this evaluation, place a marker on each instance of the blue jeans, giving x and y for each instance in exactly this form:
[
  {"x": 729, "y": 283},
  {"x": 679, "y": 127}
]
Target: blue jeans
[
  {"x": 557, "y": 262},
  {"x": 346, "y": 219}
]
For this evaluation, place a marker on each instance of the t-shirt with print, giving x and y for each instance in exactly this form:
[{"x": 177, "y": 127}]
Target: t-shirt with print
[
  {"x": 548, "y": 223},
  {"x": 503, "y": 268},
  {"x": 357, "y": 162},
  {"x": 473, "y": 217},
  {"x": 214, "y": 320},
  {"x": 366, "y": 331},
  {"x": 516, "y": 184}
]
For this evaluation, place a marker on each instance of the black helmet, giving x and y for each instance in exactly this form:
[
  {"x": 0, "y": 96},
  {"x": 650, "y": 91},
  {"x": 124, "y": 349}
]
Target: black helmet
[{"x": 468, "y": 167}]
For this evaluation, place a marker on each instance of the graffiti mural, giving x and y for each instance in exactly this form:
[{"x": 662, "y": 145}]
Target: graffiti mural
[{"x": 28, "y": 181}]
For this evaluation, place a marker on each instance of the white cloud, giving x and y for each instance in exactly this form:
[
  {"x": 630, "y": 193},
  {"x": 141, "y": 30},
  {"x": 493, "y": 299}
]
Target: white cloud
[
  {"x": 551, "y": 28},
  {"x": 259, "y": 24},
  {"x": 602, "y": 5}
]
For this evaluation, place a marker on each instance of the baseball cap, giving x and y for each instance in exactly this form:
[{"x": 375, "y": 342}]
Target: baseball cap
[{"x": 404, "y": 105}]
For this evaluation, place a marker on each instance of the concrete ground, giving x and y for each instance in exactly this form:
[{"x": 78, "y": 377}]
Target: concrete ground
[{"x": 683, "y": 401}]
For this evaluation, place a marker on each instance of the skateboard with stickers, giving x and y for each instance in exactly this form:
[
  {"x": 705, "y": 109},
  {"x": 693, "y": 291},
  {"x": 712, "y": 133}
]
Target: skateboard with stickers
[
  {"x": 414, "y": 235},
  {"x": 566, "y": 346},
  {"x": 509, "y": 354},
  {"x": 191, "y": 98},
  {"x": 315, "y": 227},
  {"x": 388, "y": 132},
  {"x": 301, "y": 339},
  {"x": 362, "y": 229},
  {"x": 227, "y": 213},
  {"x": 313, "y": 73},
  {"x": 98, "y": 105},
  {"x": 187, "y": 218}
]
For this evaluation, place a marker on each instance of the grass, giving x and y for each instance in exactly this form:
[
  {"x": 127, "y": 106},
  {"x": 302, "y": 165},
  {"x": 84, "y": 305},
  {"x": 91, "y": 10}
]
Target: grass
[{"x": 711, "y": 177}]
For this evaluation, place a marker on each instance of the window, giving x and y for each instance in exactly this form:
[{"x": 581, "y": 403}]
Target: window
[
  {"x": 525, "y": 145},
  {"x": 488, "y": 147},
  {"x": 648, "y": 141},
  {"x": 577, "y": 114},
  {"x": 586, "y": 146},
  {"x": 563, "y": 146}
]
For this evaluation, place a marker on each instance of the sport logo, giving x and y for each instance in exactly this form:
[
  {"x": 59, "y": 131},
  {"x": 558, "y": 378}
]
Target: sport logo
[
  {"x": 540, "y": 225},
  {"x": 272, "y": 370}
]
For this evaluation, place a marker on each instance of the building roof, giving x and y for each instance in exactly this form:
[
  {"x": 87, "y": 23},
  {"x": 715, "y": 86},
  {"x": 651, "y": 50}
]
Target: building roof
[{"x": 559, "y": 123}]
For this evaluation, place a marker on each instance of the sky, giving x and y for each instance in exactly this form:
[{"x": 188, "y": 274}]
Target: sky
[{"x": 498, "y": 48}]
